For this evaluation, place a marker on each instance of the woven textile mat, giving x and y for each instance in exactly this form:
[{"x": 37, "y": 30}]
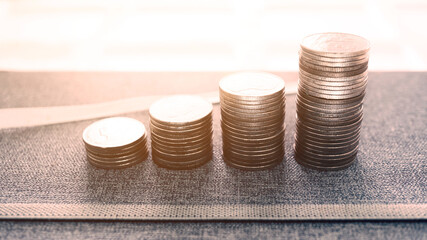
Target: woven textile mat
[{"x": 44, "y": 173}]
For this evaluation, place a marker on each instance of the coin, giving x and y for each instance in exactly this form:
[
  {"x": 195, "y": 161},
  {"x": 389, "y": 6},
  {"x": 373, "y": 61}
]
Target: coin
[
  {"x": 180, "y": 110},
  {"x": 319, "y": 112},
  {"x": 185, "y": 139},
  {"x": 327, "y": 136},
  {"x": 334, "y": 59},
  {"x": 305, "y": 104},
  {"x": 304, "y": 115},
  {"x": 185, "y": 165},
  {"x": 181, "y": 132},
  {"x": 252, "y": 120},
  {"x": 337, "y": 69},
  {"x": 141, "y": 143},
  {"x": 119, "y": 165},
  {"x": 113, "y": 133},
  {"x": 183, "y": 156},
  {"x": 185, "y": 146},
  {"x": 278, "y": 105},
  {"x": 331, "y": 103},
  {"x": 334, "y": 90},
  {"x": 346, "y": 129},
  {"x": 272, "y": 125},
  {"x": 332, "y": 62},
  {"x": 116, "y": 142},
  {"x": 182, "y": 151},
  {"x": 323, "y": 167},
  {"x": 335, "y": 44},
  {"x": 328, "y": 74},
  {"x": 321, "y": 143},
  {"x": 334, "y": 95},
  {"x": 333, "y": 79},
  {"x": 326, "y": 140},
  {"x": 140, "y": 156},
  {"x": 235, "y": 143},
  {"x": 185, "y": 127},
  {"x": 179, "y": 135},
  {"x": 327, "y": 149},
  {"x": 246, "y": 134},
  {"x": 331, "y": 87},
  {"x": 256, "y": 165},
  {"x": 117, "y": 154},
  {"x": 251, "y": 85},
  {"x": 245, "y": 166},
  {"x": 329, "y": 152},
  {"x": 252, "y": 104},
  {"x": 262, "y": 148},
  {"x": 256, "y": 157}
]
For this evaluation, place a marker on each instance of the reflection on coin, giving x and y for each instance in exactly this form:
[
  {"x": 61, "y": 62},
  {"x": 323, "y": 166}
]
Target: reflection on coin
[
  {"x": 331, "y": 88},
  {"x": 252, "y": 120},
  {"x": 181, "y": 132},
  {"x": 117, "y": 142}
]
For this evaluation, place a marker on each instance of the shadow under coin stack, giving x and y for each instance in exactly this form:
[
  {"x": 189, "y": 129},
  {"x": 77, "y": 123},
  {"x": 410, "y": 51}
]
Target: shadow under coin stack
[
  {"x": 332, "y": 80},
  {"x": 252, "y": 120},
  {"x": 117, "y": 142},
  {"x": 181, "y": 132}
]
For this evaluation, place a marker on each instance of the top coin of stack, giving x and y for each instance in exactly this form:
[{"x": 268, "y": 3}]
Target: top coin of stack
[
  {"x": 181, "y": 132},
  {"x": 332, "y": 81},
  {"x": 117, "y": 142},
  {"x": 252, "y": 120}
]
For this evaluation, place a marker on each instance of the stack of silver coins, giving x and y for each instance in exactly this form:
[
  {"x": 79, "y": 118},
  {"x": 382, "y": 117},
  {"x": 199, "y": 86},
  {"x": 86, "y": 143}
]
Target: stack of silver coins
[
  {"x": 181, "y": 132},
  {"x": 252, "y": 120},
  {"x": 114, "y": 143},
  {"x": 332, "y": 80}
]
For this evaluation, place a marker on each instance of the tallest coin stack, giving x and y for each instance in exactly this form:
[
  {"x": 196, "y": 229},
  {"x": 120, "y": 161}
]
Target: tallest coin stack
[{"x": 332, "y": 80}]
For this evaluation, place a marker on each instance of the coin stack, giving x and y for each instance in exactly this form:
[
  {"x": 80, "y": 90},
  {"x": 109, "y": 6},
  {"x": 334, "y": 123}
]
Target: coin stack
[
  {"x": 252, "y": 120},
  {"x": 181, "y": 132},
  {"x": 114, "y": 143},
  {"x": 332, "y": 80}
]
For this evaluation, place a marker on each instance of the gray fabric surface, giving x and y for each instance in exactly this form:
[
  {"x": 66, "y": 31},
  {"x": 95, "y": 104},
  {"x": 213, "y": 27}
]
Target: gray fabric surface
[
  {"x": 41, "y": 89},
  {"x": 212, "y": 230},
  {"x": 47, "y": 164},
  {"x": 231, "y": 211}
]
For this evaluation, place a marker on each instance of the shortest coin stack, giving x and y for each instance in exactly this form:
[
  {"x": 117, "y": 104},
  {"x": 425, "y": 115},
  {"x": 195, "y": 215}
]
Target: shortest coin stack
[
  {"x": 114, "y": 143},
  {"x": 252, "y": 120},
  {"x": 181, "y": 132}
]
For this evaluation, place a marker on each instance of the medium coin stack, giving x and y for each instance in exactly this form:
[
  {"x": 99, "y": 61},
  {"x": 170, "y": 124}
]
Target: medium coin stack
[
  {"x": 252, "y": 120},
  {"x": 181, "y": 132},
  {"x": 332, "y": 80},
  {"x": 117, "y": 142}
]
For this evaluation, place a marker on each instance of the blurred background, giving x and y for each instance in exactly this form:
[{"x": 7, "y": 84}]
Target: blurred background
[{"x": 201, "y": 35}]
